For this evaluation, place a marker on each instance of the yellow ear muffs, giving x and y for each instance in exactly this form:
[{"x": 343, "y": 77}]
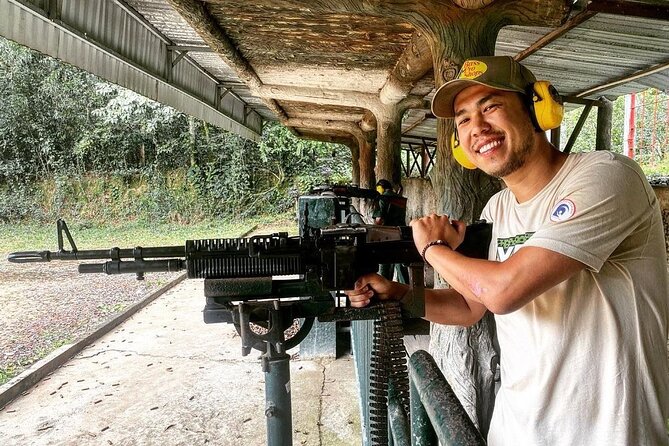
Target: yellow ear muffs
[
  {"x": 546, "y": 105},
  {"x": 459, "y": 154}
]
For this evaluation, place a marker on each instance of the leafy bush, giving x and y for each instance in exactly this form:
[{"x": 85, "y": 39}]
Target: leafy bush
[{"x": 73, "y": 145}]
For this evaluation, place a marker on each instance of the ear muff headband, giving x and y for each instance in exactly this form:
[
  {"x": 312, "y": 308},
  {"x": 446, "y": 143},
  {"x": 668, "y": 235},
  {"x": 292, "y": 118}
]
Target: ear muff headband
[
  {"x": 546, "y": 106},
  {"x": 459, "y": 153}
]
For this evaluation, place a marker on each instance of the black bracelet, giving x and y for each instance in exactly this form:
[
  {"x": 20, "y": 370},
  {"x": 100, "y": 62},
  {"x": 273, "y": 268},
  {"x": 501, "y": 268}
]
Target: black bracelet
[{"x": 429, "y": 245}]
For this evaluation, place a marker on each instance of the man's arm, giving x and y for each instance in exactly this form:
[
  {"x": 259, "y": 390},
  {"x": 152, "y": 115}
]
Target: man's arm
[
  {"x": 503, "y": 287},
  {"x": 444, "y": 306},
  {"x": 449, "y": 307}
]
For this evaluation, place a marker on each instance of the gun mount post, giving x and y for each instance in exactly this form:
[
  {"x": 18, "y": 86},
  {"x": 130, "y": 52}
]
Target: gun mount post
[{"x": 276, "y": 365}]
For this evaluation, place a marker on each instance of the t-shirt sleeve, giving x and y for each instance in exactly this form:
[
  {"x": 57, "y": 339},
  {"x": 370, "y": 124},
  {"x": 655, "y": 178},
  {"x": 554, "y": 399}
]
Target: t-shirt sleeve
[
  {"x": 599, "y": 207},
  {"x": 487, "y": 216}
]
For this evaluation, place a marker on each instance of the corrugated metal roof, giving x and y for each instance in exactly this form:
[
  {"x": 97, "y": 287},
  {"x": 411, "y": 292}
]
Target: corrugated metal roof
[
  {"x": 110, "y": 40},
  {"x": 361, "y": 51},
  {"x": 601, "y": 49}
]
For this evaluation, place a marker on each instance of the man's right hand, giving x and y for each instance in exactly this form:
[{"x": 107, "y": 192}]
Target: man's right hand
[{"x": 371, "y": 285}]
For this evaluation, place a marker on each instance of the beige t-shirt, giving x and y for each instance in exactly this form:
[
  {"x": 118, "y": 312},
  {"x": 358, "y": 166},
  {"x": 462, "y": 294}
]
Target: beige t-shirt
[{"x": 585, "y": 363}]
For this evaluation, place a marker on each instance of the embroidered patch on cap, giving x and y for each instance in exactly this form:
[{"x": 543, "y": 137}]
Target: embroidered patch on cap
[
  {"x": 564, "y": 210},
  {"x": 472, "y": 69}
]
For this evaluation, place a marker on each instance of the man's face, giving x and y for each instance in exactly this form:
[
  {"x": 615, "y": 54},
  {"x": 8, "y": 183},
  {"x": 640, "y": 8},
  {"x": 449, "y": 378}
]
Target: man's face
[{"x": 494, "y": 129}]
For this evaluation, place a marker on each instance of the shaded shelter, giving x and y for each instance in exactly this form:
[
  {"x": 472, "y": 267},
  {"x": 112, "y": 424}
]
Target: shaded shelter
[{"x": 361, "y": 74}]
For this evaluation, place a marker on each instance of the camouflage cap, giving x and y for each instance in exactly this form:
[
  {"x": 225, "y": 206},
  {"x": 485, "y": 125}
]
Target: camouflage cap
[{"x": 500, "y": 72}]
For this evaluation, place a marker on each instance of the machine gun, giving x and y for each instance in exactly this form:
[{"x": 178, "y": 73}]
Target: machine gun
[{"x": 262, "y": 284}]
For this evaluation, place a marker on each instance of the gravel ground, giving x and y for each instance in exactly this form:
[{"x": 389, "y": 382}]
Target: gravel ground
[{"x": 45, "y": 305}]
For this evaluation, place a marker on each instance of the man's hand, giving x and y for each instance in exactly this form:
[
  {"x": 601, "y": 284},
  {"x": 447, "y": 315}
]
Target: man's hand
[
  {"x": 371, "y": 285},
  {"x": 437, "y": 227}
]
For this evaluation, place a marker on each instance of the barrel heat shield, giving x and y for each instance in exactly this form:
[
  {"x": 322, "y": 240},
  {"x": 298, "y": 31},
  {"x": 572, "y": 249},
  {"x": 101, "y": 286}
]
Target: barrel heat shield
[{"x": 243, "y": 257}]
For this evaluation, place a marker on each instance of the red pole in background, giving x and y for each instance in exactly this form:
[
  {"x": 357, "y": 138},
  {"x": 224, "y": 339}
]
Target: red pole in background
[
  {"x": 630, "y": 105},
  {"x": 653, "y": 133}
]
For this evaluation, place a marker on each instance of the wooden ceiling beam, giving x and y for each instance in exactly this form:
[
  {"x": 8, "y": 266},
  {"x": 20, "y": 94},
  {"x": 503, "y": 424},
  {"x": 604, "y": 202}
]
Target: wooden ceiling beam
[
  {"x": 630, "y": 8},
  {"x": 368, "y": 122},
  {"x": 418, "y": 122},
  {"x": 324, "y": 115},
  {"x": 197, "y": 16},
  {"x": 342, "y": 126},
  {"x": 319, "y": 96},
  {"x": 328, "y": 138},
  {"x": 369, "y": 101},
  {"x": 414, "y": 63},
  {"x": 555, "y": 34}
]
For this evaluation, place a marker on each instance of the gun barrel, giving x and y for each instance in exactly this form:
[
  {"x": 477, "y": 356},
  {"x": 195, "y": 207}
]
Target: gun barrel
[
  {"x": 135, "y": 266},
  {"x": 98, "y": 254}
]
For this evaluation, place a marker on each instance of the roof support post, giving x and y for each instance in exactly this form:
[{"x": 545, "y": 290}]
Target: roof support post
[
  {"x": 555, "y": 137},
  {"x": 389, "y": 138},
  {"x": 604, "y": 121},
  {"x": 169, "y": 55},
  {"x": 577, "y": 128}
]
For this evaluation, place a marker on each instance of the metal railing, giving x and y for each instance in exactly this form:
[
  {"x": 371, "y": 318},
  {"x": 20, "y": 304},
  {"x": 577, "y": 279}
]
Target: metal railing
[
  {"x": 418, "y": 157},
  {"x": 437, "y": 417}
]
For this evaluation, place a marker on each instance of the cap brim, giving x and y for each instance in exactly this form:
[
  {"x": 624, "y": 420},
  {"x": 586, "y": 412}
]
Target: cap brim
[{"x": 444, "y": 99}]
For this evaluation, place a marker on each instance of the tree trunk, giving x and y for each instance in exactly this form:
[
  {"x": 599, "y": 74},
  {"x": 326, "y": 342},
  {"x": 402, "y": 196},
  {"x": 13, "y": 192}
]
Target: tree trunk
[
  {"x": 142, "y": 155},
  {"x": 388, "y": 145}
]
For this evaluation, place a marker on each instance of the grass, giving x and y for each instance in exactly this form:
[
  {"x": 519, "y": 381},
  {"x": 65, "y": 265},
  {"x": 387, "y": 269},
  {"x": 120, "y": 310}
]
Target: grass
[
  {"x": 112, "y": 308},
  {"x": 40, "y": 236},
  {"x": 660, "y": 167},
  {"x": 12, "y": 369}
]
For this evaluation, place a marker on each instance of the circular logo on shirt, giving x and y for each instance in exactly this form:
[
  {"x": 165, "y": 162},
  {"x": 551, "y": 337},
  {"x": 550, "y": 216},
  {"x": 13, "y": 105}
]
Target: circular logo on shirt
[{"x": 563, "y": 210}]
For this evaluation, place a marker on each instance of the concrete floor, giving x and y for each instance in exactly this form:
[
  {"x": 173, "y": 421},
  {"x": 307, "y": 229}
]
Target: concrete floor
[{"x": 165, "y": 378}]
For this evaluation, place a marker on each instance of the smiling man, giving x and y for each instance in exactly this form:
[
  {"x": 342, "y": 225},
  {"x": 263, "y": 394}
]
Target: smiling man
[{"x": 576, "y": 275}]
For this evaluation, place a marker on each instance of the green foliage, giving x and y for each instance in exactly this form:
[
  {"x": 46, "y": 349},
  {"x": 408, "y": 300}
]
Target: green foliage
[
  {"x": 73, "y": 145},
  {"x": 45, "y": 104},
  {"x": 651, "y": 135}
]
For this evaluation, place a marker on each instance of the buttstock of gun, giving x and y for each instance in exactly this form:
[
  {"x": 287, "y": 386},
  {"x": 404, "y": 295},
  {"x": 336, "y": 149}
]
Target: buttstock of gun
[{"x": 29, "y": 256}]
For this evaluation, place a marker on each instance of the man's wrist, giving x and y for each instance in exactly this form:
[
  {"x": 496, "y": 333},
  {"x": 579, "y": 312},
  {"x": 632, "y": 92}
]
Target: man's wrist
[{"x": 430, "y": 245}]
